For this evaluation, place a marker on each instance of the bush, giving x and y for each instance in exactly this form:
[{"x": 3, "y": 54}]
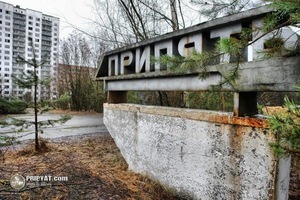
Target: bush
[
  {"x": 286, "y": 127},
  {"x": 211, "y": 100},
  {"x": 13, "y": 106},
  {"x": 132, "y": 97},
  {"x": 46, "y": 103},
  {"x": 63, "y": 102}
]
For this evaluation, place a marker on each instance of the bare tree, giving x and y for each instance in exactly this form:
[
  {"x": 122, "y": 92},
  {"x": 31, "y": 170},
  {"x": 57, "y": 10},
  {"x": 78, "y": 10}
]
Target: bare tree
[
  {"x": 121, "y": 22},
  {"x": 218, "y": 8},
  {"x": 175, "y": 23},
  {"x": 76, "y": 72}
]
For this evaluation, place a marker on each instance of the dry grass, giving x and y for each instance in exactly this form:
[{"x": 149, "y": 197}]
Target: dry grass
[
  {"x": 94, "y": 167},
  {"x": 271, "y": 110}
]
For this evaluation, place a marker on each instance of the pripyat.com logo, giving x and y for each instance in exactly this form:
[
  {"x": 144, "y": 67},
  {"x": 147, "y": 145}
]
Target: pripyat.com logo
[{"x": 17, "y": 182}]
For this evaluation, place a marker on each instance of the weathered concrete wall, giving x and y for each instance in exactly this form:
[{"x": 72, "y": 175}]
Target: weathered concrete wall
[{"x": 209, "y": 155}]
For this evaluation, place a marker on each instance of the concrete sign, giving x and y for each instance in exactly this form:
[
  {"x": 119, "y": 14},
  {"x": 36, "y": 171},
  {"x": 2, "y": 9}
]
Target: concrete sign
[
  {"x": 130, "y": 68},
  {"x": 135, "y": 59}
]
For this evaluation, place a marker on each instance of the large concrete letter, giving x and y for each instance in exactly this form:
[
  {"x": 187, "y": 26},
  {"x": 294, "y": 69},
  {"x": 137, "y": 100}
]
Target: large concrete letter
[
  {"x": 141, "y": 60},
  {"x": 126, "y": 60},
  {"x": 289, "y": 37},
  {"x": 190, "y": 43},
  {"x": 161, "y": 49},
  {"x": 225, "y": 32},
  {"x": 113, "y": 65}
]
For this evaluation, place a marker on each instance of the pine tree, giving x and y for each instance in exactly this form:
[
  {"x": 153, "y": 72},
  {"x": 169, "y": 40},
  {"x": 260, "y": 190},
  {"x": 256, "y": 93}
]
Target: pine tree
[
  {"x": 286, "y": 127},
  {"x": 30, "y": 80}
]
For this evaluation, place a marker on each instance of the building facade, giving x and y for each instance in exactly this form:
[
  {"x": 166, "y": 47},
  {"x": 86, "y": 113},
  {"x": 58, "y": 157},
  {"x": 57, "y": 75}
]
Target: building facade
[{"x": 25, "y": 32}]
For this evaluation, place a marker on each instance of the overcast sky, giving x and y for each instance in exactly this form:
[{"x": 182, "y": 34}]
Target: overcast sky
[{"x": 72, "y": 11}]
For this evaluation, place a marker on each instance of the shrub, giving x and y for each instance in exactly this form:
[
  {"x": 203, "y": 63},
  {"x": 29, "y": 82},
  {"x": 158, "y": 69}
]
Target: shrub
[
  {"x": 63, "y": 102},
  {"x": 13, "y": 106}
]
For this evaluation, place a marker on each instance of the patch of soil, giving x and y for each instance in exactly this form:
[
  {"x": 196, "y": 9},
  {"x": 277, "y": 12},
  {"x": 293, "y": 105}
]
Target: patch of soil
[{"x": 93, "y": 166}]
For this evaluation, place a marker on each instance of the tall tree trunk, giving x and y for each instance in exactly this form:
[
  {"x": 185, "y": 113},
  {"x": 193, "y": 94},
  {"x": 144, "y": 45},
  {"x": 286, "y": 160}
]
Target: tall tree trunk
[
  {"x": 175, "y": 23},
  {"x": 37, "y": 146}
]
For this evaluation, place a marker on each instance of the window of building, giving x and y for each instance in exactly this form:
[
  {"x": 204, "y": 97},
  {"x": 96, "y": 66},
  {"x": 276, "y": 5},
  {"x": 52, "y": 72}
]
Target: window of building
[
  {"x": 7, "y": 12},
  {"x": 7, "y": 29},
  {"x": 7, "y": 23},
  {"x": 6, "y": 64},
  {"x": 7, "y": 40},
  {"x": 6, "y": 92},
  {"x": 37, "y": 40},
  {"x": 7, "y": 34},
  {"x": 30, "y": 17},
  {"x": 37, "y": 24},
  {"x": 0, "y": 10},
  {"x": 30, "y": 28},
  {"x": 29, "y": 33},
  {"x": 7, "y": 17},
  {"x": 7, "y": 52},
  {"x": 6, "y": 75},
  {"x": 0, "y": 21},
  {"x": 30, "y": 23},
  {"x": 37, "y": 29},
  {"x": 37, "y": 45},
  {"x": 37, "y": 35},
  {"x": 55, "y": 34},
  {"x": 38, "y": 19},
  {"x": 7, "y": 46},
  {"x": 55, "y": 24},
  {"x": 6, "y": 58},
  {"x": 6, "y": 69}
]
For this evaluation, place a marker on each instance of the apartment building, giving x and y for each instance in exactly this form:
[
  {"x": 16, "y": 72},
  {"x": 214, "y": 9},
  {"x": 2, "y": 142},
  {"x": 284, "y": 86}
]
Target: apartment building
[{"x": 25, "y": 32}]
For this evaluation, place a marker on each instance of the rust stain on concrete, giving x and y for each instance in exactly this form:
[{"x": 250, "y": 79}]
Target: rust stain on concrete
[{"x": 199, "y": 115}]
